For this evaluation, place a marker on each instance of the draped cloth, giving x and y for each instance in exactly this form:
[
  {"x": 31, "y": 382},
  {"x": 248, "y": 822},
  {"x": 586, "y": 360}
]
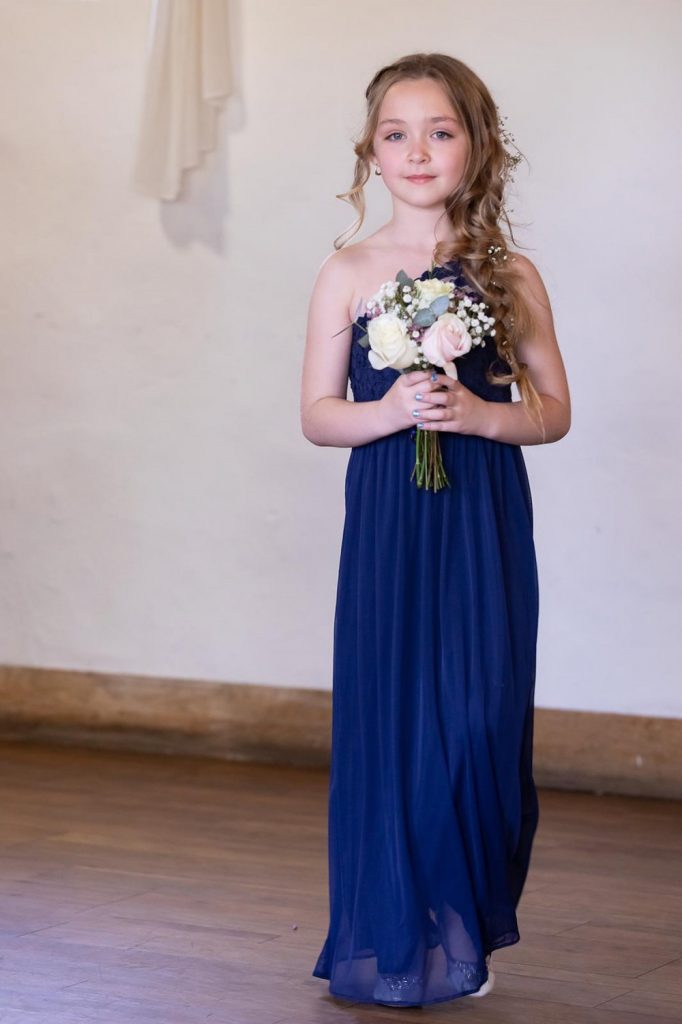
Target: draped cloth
[{"x": 187, "y": 80}]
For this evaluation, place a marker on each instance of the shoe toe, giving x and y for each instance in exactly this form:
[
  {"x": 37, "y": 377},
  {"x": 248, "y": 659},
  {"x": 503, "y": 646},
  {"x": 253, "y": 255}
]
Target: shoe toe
[{"x": 487, "y": 986}]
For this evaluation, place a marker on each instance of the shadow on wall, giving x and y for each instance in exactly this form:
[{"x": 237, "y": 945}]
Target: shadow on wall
[{"x": 200, "y": 211}]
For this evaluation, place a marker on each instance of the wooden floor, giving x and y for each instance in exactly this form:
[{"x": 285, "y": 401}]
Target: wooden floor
[{"x": 143, "y": 889}]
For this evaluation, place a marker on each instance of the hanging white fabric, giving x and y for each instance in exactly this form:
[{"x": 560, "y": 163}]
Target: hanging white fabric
[{"x": 187, "y": 80}]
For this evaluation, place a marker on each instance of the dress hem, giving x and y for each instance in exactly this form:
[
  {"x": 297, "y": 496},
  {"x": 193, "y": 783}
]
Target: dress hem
[{"x": 422, "y": 1002}]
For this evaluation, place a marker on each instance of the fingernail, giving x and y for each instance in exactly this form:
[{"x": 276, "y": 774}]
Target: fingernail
[
  {"x": 434, "y": 375},
  {"x": 418, "y": 397}
]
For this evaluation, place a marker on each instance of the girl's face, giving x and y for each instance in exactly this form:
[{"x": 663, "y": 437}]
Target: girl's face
[{"x": 419, "y": 134}]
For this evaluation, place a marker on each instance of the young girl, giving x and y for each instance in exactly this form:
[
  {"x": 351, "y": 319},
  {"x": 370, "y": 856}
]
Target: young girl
[{"x": 432, "y": 803}]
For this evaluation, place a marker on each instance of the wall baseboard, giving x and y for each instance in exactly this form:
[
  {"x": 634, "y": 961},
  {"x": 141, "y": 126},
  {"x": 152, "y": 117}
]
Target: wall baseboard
[{"x": 581, "y": 750}]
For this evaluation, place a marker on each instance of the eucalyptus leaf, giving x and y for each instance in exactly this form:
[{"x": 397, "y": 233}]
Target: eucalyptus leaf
[
  {"x": 440, "y": 304},
  {"x": 424, "y": 318},
  {"x": 403, "y": 279}
]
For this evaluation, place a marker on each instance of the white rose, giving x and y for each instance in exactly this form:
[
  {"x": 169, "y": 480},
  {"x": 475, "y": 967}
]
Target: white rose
[
  {"x": 390, "y": 344},
  {"x": 433, "y": 287}
]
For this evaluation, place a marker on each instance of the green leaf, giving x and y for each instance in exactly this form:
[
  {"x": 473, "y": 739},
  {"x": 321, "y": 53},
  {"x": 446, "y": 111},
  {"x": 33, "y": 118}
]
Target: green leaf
[{"x": 440, "y": 304}]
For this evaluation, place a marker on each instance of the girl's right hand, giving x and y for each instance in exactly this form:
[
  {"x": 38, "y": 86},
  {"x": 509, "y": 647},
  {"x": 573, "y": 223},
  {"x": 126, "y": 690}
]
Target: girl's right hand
[{"x": 400, "y": 400}]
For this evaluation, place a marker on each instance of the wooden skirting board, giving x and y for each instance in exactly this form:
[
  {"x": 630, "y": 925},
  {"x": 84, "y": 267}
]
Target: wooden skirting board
[{"x": 578, "y": 750}]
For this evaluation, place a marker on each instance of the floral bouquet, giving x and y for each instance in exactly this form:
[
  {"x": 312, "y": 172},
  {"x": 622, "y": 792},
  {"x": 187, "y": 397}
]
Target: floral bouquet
[{"x": 422, "y": 324}]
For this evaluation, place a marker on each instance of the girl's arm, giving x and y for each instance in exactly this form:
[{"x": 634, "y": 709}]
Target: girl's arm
[
  {"x": 327, "y": 416},
  {"x": 509, "y": 421}
]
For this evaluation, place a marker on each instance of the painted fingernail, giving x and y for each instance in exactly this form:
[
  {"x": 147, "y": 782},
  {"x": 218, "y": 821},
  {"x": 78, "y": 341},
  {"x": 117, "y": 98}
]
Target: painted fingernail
[
  {"x": 434, "y": 375},
  {"x": 420, "y": 426},
  {"x": 418, "y": 397}
]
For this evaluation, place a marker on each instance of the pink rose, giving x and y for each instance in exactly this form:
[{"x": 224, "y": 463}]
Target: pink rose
[{"x": 446, "y": 339}]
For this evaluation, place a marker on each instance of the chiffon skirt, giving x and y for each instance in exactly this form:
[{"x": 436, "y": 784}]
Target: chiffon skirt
[{"x": 432, "y": 805}]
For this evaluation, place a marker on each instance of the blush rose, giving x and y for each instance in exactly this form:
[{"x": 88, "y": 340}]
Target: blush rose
[{"x": 444, "y": 341}]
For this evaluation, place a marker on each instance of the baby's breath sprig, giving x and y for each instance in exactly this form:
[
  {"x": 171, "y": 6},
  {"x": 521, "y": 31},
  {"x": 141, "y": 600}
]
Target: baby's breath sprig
[
  {"x": 493, "y": 251},
  {"x": 512, "y": 160}
]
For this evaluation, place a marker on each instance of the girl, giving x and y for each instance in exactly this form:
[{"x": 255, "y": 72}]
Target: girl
[{"x": 432, "y": 802}]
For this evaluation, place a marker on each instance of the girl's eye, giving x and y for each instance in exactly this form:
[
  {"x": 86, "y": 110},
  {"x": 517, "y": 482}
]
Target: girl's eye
[{"x": 440, "y": 131}]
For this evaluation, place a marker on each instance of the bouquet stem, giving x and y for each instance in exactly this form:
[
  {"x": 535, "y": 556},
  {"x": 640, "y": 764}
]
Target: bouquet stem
[{"x": 428, "y": 463}]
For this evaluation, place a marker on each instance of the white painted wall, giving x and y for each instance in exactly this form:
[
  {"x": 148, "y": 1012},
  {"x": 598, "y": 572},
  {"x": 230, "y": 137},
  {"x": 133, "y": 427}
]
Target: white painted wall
[{"x": 160, "y": 511}]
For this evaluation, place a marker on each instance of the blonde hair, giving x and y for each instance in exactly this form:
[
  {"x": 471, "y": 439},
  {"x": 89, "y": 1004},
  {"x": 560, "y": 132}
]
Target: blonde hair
[{"x": 474, "y": 208}]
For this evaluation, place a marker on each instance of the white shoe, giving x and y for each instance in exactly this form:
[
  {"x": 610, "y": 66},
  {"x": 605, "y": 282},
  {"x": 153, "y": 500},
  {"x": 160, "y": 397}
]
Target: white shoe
[{"x": 489, "y": 984}]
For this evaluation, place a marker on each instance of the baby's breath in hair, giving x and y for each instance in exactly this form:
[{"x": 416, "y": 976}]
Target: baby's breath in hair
[
  {"x": 493, "y": 250},
  {"x": 512, "y": 160}
]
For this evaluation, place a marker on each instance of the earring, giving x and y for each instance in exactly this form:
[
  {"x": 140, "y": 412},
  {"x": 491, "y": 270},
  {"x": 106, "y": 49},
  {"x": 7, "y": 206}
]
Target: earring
[{"x": 377, "y": 170}]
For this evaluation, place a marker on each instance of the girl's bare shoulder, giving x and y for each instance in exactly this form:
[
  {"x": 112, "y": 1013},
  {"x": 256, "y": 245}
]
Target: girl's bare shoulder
[{"x": 355, "y": 270}]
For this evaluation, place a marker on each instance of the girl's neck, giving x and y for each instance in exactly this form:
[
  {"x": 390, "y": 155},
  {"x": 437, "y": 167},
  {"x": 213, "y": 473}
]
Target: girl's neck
[{"x": 418, "y": 231}]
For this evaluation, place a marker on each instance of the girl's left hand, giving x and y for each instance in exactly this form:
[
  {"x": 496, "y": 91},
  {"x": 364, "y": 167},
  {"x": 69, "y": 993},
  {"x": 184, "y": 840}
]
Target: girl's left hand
[{"x": 460, "y": 410}]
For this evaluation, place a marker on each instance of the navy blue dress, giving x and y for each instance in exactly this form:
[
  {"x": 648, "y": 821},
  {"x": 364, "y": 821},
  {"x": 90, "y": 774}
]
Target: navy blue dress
[{"x": 432, "y": 804}]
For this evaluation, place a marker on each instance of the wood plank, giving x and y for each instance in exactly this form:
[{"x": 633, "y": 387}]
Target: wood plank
[{"x": 179, "y": 890}]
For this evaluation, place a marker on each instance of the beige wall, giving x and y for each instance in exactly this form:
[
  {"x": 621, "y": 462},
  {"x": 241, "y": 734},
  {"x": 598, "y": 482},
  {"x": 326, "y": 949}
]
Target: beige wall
[{"x": 160, "y": 511}]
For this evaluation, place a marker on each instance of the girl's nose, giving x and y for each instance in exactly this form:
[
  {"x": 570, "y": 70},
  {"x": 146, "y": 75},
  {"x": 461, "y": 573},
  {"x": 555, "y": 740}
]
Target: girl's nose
[{"x": 418, "y": 152}]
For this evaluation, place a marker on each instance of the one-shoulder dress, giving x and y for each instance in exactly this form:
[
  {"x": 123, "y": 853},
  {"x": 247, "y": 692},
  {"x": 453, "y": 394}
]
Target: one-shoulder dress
[{"x": 432, "y": 806}]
